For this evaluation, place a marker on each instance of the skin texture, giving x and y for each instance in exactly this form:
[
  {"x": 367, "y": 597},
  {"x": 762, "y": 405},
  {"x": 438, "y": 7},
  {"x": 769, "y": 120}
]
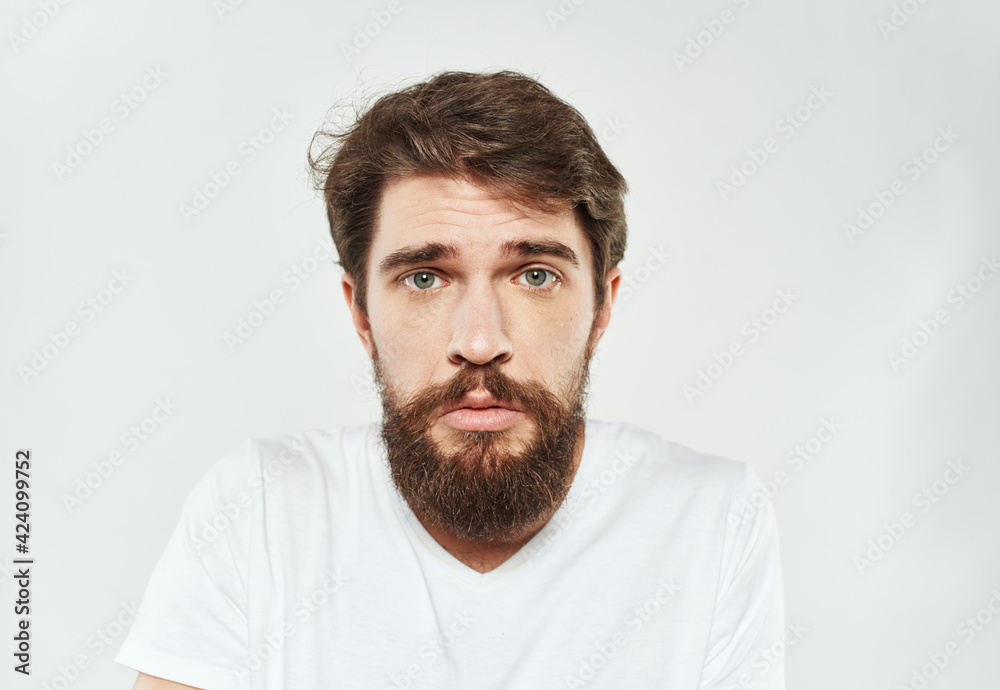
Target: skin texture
[{"x": 478, "y": 309}]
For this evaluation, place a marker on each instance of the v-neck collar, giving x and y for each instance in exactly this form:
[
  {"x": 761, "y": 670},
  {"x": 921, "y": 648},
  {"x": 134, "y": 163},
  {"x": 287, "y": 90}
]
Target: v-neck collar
[{"x": 427, "y": 547}]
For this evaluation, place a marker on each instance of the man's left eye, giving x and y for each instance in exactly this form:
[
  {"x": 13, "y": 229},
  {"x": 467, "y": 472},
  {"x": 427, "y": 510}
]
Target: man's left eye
[{"x": 536, "y": 277}]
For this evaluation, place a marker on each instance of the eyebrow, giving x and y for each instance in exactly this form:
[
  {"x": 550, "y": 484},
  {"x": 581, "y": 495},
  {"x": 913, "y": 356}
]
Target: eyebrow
[{"x": 435, "y": 251}]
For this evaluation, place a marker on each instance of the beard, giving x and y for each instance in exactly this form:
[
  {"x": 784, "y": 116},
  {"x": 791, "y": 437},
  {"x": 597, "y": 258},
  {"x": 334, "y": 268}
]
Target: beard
[{"x": 481, "y": 490}]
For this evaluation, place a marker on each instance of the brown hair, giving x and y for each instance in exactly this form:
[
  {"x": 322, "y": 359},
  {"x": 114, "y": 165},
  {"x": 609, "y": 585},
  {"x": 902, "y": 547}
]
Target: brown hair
[{"x": 502, "y": 130}]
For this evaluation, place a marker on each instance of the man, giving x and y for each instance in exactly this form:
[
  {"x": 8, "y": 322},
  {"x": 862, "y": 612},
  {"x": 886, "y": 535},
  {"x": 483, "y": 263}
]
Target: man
[{"x": 485, "y": 534}]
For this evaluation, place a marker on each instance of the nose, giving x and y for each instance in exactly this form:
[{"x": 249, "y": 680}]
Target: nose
[{"x": 479, "y": 325}]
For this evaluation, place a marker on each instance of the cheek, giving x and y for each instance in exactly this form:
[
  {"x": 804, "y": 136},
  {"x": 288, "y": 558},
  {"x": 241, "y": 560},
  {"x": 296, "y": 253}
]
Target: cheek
[
  {"x": 554, "y": 346},
  {"x": 409, "y": 344},
  {"x": 568, "y": 335}
]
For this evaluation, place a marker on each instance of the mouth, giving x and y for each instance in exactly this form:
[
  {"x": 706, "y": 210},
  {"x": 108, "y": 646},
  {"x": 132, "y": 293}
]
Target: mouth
[
  {"x": 479, "y": 410},
  {"x": 482, "y": 418}
]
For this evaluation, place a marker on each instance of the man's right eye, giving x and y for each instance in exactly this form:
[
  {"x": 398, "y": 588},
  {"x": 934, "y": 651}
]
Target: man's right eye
[{"x": 422, "y": 280}]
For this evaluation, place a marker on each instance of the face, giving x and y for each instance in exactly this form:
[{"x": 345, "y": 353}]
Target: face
[{"x": 481, "y": 325}]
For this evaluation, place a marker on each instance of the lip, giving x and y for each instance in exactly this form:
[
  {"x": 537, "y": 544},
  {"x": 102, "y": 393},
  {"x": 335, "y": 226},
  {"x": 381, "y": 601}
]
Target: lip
[
  {"x": 480, "y": 399},
  {"x": 482, "y": 419},
  {"x": 479, "y": 410}
]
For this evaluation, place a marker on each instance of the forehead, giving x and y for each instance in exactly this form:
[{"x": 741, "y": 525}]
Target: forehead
[{"x": 416, "y": 211}]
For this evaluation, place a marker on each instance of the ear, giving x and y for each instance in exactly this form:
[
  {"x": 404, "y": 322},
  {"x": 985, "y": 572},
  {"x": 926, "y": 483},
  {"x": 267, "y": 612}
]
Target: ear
[
  {"x": 361, "y": 323},
  {"x": 603, "y": 317}
]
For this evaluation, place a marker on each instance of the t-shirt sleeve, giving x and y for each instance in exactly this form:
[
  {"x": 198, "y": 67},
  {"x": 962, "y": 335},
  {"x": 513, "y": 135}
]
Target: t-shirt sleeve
[
  {"x": 192, "y": 624},
  {"x": 746, "y": 648}
]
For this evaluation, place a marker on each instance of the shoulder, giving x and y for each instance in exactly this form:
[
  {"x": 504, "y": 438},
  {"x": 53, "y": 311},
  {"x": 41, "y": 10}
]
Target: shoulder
[
  {"x": 663, "y": 465},
  {"x": 295, "y": 459}
]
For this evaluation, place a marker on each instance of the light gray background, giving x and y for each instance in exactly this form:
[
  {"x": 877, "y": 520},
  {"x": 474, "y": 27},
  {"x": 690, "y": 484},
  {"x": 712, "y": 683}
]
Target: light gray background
[{"x": 676, "y": 134}]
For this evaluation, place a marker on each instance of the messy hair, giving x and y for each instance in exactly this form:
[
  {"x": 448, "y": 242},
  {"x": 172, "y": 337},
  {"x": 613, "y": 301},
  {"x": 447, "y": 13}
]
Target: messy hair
[{"x": 503, "y": 131}]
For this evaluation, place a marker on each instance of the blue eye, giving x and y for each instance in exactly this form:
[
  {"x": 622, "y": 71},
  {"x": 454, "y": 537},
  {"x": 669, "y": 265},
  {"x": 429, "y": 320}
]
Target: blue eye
[
  {"x": 423, "y": 280},
  {"x": 541, "y": 278},
  {"x": 536, "y": 277}
]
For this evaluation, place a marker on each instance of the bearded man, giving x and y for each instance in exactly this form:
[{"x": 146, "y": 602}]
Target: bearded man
[{"x": 485, "y": 533}]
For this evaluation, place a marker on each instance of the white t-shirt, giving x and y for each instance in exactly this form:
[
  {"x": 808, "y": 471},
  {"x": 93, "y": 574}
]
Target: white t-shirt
[{"x": 296, "y": 565}]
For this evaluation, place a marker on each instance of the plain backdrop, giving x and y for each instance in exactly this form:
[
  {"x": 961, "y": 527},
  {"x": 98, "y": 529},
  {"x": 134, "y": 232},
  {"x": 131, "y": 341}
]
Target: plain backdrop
[{"x": 859, "y": 144}]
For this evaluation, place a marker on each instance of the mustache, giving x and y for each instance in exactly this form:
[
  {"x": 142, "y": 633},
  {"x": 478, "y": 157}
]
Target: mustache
[{"x": 536, "y": 399}]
